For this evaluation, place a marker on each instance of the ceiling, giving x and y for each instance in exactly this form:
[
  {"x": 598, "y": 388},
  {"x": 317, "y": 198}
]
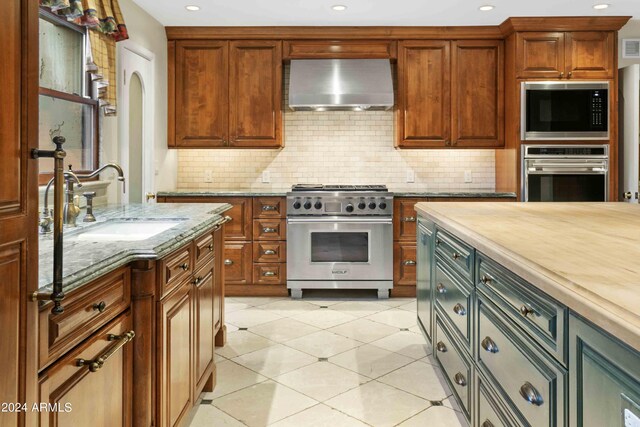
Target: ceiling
[{"x": 371, "y": 12}]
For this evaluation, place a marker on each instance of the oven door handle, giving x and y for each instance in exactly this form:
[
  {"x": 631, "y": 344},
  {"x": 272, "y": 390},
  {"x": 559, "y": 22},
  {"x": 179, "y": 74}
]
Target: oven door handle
[
  {"x": 591, "y": 170},
  {"x": 346, "y": 220}
]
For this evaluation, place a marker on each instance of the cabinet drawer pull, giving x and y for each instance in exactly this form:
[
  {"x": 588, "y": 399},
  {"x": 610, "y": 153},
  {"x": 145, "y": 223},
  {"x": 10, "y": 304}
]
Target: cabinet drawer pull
[
  {"x": 269, "y": 252},
  {"x": 267, "y": 208},
  {"x": 459, "y": 309},
  {"x": 409, "y": 219},
  {"x": 487, "y": 423},
  {"x": 185, "y": 266},
  {"x": 441, "y": 289},
  {"x": 228, "y": 262},
  {"x": 485, "y": 279},
  {"x": 460, "y": 379},
  {"x": 269, "y": 274},
  {"x": 409, "y": 262},
  {"x": 455, "y": 255},
  {"x": 561, "y": 74},
  {"x": 226, "y": 219},
  {"x": 438, "y": 241},
  {"x": 489, "y": 345},
  {"x": 100, "y": 307},
  {"x": 525, "y": 310},
  {"x": 98, "y": 363},
  {"x": 570, "y": 74},
  {"x": 197, "y": 280},
  {"x": 210, "y": 247},
  {"x": 441, "y": 347},
  {"x": 268, "y": 230},
  {"x": 530, "y": 394}
]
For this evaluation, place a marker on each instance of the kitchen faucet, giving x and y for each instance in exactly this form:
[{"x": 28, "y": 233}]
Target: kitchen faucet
[{"x": 47, "y": 219}]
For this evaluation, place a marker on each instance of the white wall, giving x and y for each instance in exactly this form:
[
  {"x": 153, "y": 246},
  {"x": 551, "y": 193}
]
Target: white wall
[
  {"x": 150, "y": 34},
  {"x": 629, "y": 31}
]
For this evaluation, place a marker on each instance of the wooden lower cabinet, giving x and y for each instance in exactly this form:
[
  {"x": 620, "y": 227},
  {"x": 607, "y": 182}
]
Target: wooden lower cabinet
[
  {"x": 98, "y": 395},
  {"x": 404, "y": 263},
  {"x": 203, "y": 327},
  {"x": 237, "y": 263}
]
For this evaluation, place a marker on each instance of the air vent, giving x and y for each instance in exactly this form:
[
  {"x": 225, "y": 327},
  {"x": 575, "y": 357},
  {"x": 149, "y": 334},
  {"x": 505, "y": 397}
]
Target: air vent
[{"x": 631, "y": 48}]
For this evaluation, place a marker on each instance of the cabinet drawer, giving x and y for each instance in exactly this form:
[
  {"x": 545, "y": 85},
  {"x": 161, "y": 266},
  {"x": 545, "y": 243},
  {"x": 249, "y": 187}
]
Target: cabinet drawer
[
  {"x": 269, "y": 274},
  {"x": 404, "y": 263},
  {"x": 541, "y": 317},
  {"x": 405, "y": 218},
  {"x": 269, "y": 229},
  {"x": 175, "y": 268},
  {"x": 269, "y": 207},
  {"x": 533, "y": 382},
  {"x": 267, "y": 251},
  {"x": 455, "y": 253},
  {"x": 237, "y": 263},
  {"x": 204, "y": 249},
  {"x": 492, "y": 410},
  {"x": 85, "y": 311},
  {"x": 456, "y": 366},
  {"x": 454, "y": 300}
]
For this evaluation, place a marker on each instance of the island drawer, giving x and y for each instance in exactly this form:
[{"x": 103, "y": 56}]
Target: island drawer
[
  {"x": 270, "y": 274},
  {"x": 457, "y": 367},
  {"x": 266, "y": 251},
  {"x": 454, "y": 300},
  {"x": 175, "y": 268},
  {"x": 204, "y": 249},
  {"x": 534, "y": 382},
  {"x": 492, "y": 409},
  {"x": 269, "y": 229},
  {"x": 455, "y": 253},
  {"x": 540, "y": 316},
  {"x": 86, "y": 309},
  {"x": 269, "y": 207}
]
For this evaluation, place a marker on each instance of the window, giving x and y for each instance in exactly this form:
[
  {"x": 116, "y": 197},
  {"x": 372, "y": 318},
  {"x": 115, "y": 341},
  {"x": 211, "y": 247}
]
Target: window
[{"x": 66, "y": 95}]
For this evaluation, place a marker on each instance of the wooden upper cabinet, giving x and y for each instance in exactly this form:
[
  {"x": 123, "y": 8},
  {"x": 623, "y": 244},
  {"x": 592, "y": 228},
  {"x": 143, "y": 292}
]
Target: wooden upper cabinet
[
  {"x": 201, "y": 109},
  {"x": 341, "y": 49},
  {"x": 540, "y": 55},
  {"x": 255, "y": 90},
  {"x": 477, "y": 93},
  {"x": 424, "y": 94},
  {"x": 590, "y": 54}
]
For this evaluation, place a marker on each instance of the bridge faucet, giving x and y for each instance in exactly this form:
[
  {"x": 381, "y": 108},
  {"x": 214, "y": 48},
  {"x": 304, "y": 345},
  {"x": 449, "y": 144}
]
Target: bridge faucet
[{"x": 47, "y": 219}]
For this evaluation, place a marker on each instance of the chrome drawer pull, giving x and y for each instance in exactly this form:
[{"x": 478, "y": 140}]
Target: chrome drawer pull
[
  {"x": 459, "y": 309},
  {"x": 485, "y": 279},
  {"x": 455, "y": 255},
  {"x": 409, "y": 262},
  {"x": 97, "y": 364},
  {"x": 441, "y": 289},
  {"x": 460, "y": 379},
  {"x": 487, "y": 423},
  {"x": 268, "y": 208},
  {"x": 269, "y": 274},
  {"x": 228, "y": 262},
  {"x": 269, "y": 252},
  {"x": 441, "y": 347},
  {"x": 489, "y": 345},
  {"x": 525, "y": 310},
  {"x": 100, "y": 307},
  {"x": 530, "y": 394},
  {"x": 268, "y": 230},
  {"x": 185, "y": 266}
]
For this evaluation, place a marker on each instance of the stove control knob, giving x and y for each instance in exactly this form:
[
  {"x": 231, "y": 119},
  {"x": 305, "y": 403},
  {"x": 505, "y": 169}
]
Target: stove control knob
[
  {"x": 318, "y": 205},
  {"x": 296, "y": 205},
  {"x": 382, "y": 205},
  {"x": 372, "y": 205},
  {"x": 307, "y": 204},
  {"x": 349, "y": 208},
  {"x": 362, "y": 205}
]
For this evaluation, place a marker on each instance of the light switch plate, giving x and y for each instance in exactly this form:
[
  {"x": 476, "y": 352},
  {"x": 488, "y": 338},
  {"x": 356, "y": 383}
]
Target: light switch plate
[
  {"x": 208, "y": 176},
  {"x": 266, "y": 177},
  {"x": 411, "y": 176},
  {"x": 468, "y": 177}
]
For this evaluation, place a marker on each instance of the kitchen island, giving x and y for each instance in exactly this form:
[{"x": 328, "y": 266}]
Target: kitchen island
[{"x": 533, "y": 309}]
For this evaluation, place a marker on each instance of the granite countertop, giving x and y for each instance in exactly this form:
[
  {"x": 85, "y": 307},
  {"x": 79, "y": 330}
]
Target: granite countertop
[
  {"x": 85, "y": 261},
  {"x": 398, "y": 192},
  {"x": 584, "y": 255}
]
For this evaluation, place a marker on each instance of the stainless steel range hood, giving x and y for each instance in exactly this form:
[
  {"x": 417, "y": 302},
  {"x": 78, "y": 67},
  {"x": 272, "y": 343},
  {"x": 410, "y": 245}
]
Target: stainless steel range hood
[{"x": 340, "y": 84}]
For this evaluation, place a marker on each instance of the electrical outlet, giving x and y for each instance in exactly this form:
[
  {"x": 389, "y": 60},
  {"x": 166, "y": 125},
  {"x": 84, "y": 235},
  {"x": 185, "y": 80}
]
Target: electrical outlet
[
  {"x": 208, "y": 176},
  {"x": 468, "y": 177},
  {"x": 411, "y": 176},
  {"x": 266, "y": 177}
]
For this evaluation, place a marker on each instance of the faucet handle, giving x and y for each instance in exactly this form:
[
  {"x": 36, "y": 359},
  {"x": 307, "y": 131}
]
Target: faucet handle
[{"x": 89, "y": 217}]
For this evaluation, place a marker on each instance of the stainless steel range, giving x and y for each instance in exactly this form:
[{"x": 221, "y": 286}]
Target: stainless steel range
[{"x": 339, "y": 237}]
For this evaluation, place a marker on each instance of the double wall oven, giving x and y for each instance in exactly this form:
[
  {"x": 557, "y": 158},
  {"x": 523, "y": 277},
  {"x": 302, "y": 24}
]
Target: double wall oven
[{"x": 339, "y": 237}]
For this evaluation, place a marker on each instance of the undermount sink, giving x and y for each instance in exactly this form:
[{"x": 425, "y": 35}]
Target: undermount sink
[{"x": 125, "y": 230}]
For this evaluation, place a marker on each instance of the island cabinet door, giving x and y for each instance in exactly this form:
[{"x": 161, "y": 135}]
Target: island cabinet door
[
  {"x": 203, "y": 315},
  {"x": 605, "y": 378},
  {"x": 175, "y": 379},
  {"x": 92, "y": 385},
  {"x": 218, "y": 279}
]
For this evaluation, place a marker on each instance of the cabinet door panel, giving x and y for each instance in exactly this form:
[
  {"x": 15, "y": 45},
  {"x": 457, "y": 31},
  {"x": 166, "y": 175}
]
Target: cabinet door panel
[
  {"x": 424, "y": 94},
  {"x": 237, "y": 263},
  {"x": 203, "y": 326},
  {"x": 404, "y": 263},
  {"x": 540, "y": 55},
  {"x": 201, "y": 93},
  {"x": 589, "y": 55},
  {"x": 405, "y": 218},
  {"x": 255, "y": 94},
  {"x": 477, "y": 93},
  {"x": 218, "y": 281}
]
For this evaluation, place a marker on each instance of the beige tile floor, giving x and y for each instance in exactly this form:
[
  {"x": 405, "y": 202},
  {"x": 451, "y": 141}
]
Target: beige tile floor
[{"x": 326, "y": 362}]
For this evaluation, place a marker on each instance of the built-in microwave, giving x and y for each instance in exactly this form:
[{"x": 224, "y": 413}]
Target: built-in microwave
[{"x": 560, "y": 110}]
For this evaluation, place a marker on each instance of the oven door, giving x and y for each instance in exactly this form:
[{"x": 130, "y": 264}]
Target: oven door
[
  {"x": 339, "y": 248},
  {"x": 559, "y": 180}
]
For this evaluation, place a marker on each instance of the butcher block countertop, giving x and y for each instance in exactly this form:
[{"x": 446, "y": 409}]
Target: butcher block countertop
[{"x": 585, "y": 255}]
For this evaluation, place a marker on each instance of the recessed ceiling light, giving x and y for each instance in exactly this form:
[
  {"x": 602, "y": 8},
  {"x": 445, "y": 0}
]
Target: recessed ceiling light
[
  {"x": 192, "y": 8},
  {"x": 486, "y": 7},
  {"x": 339, "y": 7},
  {"x": 600, "y": 6}
]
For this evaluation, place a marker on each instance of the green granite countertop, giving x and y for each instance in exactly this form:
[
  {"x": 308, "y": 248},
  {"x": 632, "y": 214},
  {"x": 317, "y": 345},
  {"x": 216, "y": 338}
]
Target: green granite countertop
[
  {"x": 414, "y": 191},
  {"x": 85, "y": 261}
]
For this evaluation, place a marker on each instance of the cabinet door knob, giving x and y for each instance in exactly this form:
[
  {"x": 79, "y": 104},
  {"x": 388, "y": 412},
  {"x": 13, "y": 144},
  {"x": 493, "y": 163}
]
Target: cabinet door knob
[
  {"x": 269, "y": 252},
  {"x": 269, "y": 274},
  {"x": 525, "y": 310},
  {"x": 441, "y": 347},
  {"x": 268, "y": 230},
  {"x": 197, "y": 280},
  {"x": 570, "y": 74},
  {"x": 455, "y": 255},
  {"x": 530, "y": 394},
  {"x": 438, "y": 241},
  {"x": 459, "y": 309},
  {"x": 561, "y": 74},
  {"x": 485, "y": 279},
  {"x": 185, "y": 266},
  {"x": 441, "y": 288},
  {"x": 487, "y": 423},
  {"x": 460, "y": 379},
  {"x": 228, "y": 262},
  {"x": 409, "y": 262},
  {"x": 210, "y": 247},
  {"x": 489, "y": 345},
  {"x": 100, "y": 307}
]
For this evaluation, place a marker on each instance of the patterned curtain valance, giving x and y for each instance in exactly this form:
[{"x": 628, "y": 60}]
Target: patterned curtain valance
[{"x": 104, "y": 17}]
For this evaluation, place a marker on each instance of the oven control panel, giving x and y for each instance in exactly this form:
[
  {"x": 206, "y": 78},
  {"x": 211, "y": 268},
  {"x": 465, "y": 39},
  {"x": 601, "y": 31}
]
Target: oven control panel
[{"x": 342, "y": 205}]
